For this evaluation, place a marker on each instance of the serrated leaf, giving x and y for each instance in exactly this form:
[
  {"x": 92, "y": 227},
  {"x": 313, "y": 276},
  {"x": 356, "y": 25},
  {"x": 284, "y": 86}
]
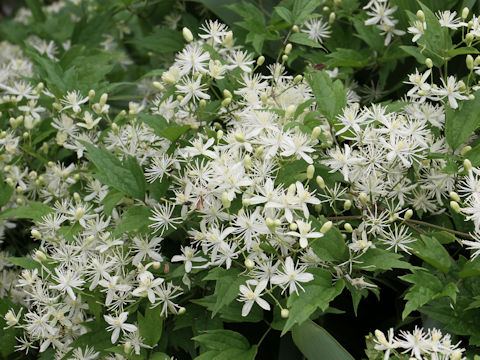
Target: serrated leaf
[
  {"x": 227, "y": 286},
  {"x": 151, "y": 325},
  {"x": 133, "y": 219},
  {"x": 285, "y": 14},
  {"x": 111, "y": 200},
  {"x": 316, "y": 343},
  {"x": 462, "y": 122},
  {"x": 25, "y": 263},
  {"x": 317, "y": 295},
  {"x": 425, "y": 287},
  {"x": 330, "y": 247},
  {"x": 225, "y": 345},
  {"x": 34, "y": 211},
  {"x": 303, "y": 39},
  {"x": 380, "y": 259},
  {"x": 331, "y": 97},
  {"x": 127, "y": 177},
  {"x": 431, "y": 251}
]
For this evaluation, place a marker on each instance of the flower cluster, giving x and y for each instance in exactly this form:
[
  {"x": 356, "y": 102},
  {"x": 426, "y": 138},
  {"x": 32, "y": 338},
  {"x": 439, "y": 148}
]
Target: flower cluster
[{"x": 419, "y": 344}]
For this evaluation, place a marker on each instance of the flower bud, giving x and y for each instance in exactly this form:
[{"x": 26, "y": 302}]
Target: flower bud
[
  {"x": 477, "y": 60},
  {"x": 226, "y": 102},
  {"x": 421, "y": 15},
  {"x": 469, "y": 62},
  {"x": 331, "y": 17},
  {"x": 465, "y": 12},
  {"x": 158, "y": 85},
  {"x": 381, "y": 337},
  {"x": 36, "y": 234},
  {"x": 295, "y": 29},
  {"x": 247, "y": 161},
  {"x": 187, "y": 34},
  {"x": 290, "y": 111},
  {"x": 284, "y": 58},
  {"x": 471, "y": 97},
  {"x": 202, "y": 103},
  {"x": 156, "y": 265},
  {"x": 320, "y": 182},
  {"x": 239, "y": 136},
  {"x": 40, "y": 255},
  {"x": 465, "y": 150},
  {"x": 182, "y": 311},
  {"x": 429, "y": 63},
  {"x": 219, "y": 134},
  {"x": 297, "y": 79},
  {"x": 408, "y": 214},
  {"x": 347, "y": 205},
  {"x": 293, "y": 226},
  {"x": 348, "y": 227},
  {"x": 225, "y": 200},
  {"x": 103, "y": 99},
  {"x": 91, "y": 94},
  {"x": 310, "y": 172},
  {"x": 363, "y": 197},
  {"x": 246, "y": 202},
  {"x": 316, "y": 132},
  {"x": 249, "y": 264},
  {"x": 455, "y": 207},
  {"x": 325, "y": 227},
  {"x": 227, "y": 94},
  {"x": 284, "y": 313},
  {"x": 260, "y": 60},
  {"x": 318, "y": 208},
  {"x": 454, "y": 196},
  {"x": 469, "y": 38},
  {"x": 127, "y": 347},
  {"x": 467, "y": 165},
  {"x": 270, "y": 224},
  {"x": 288, "y": 49}
]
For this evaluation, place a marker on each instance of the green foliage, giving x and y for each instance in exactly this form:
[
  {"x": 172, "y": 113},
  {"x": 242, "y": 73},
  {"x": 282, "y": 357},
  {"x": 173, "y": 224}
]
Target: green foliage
[
  {"x": 461, "y": 124},
  {"x": 318, "y": 294},
  {"x": 225, "y": 345},
  {"x": 127, "y": 176},
  {"x": 316, "y": 343}
]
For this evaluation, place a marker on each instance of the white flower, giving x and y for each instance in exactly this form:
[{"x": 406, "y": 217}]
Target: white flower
[
  {"x": 188, "y": 255},
  {"x": 192, "y": 89},
  {"x": 192, "y": 59},
  {"x": 291, "y": 276},
  {"x": 73, "y": 100},
  {"x": 317, "y": 30},
  {"x": 118, "y": 323},
  {"x": 67, "y": 281},
  {"x": 304, "y": 233},
  {"x": 249, "y": 296}
]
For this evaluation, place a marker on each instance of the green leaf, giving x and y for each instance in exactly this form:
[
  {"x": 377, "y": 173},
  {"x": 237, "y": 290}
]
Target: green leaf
[
  {"x": 369, "y": 34},
  {"x": 222, "y": 340},
  {"x": 151, "y": 325},
  {"x": 461, "y": 123},
  {"x": 348, "y": 57},
  {"x": 127, "y": 177},
  {"x": 25, "y": 263},
  {"x": 331, "y": 97},
  {"x": 162, "y": 41},
  {"x": 231, "y": 312},
  {"x": 34, "y": 211},
  {"x": 6, "y": 191},
  {"x": 172, "y": 133},
  {"x": 302, "y": 9},
  {"x": 426, "y": 287},
  {"x": 226, "y": 287},
  {"x": 111, "y": 200},
  {"x": 471, "y": 268},
  {"x": 380, "y": 259},
  {"x": 330, "y": 247},
  {"x": 316, "y": 343},
  {"x": 431, "y": 251},
  {"x": 36, "y": 9},
  {"x": 462, "y": 51},
  {"x": 285, "y": 14},
  {"x": 159, "y": 356},
  {"x": 317, "y": 295},
  {"x": 134, "y": 219},
  {"x": 303, "y": 39},
  {"x": 225, "y": 345}
]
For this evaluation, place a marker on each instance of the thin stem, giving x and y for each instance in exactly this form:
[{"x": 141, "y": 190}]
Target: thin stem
[
  {"x": 423, "y": 223},
  {"x": 264, "y": 335}
]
